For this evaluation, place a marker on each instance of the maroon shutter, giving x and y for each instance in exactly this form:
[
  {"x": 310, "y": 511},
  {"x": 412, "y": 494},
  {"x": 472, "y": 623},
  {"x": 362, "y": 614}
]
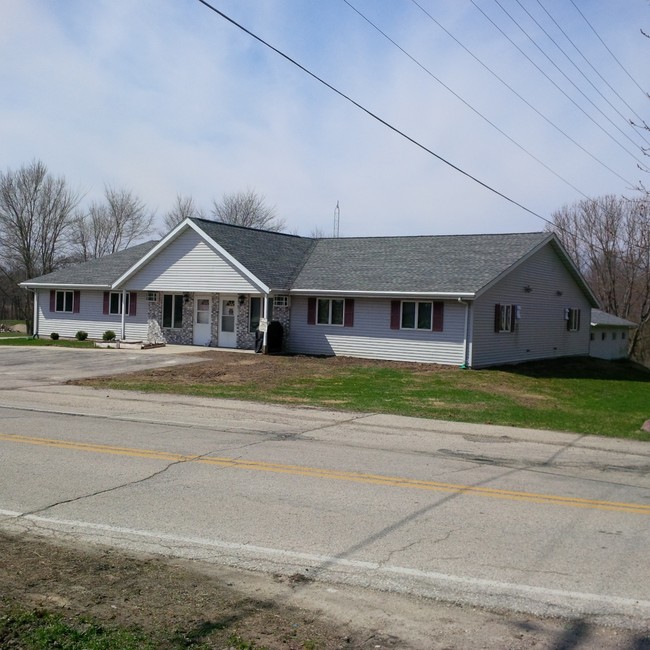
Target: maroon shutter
[
  {"x": 497, "y": 318},
  {"x": 578, "y": 320},
  {"x": 133, "y": 304},
  {"x": 52, "y": 300},
  {"x": 438, "y": 315},
  {"x": 76, "y": 302},
  {"x": 568, "y": 319},
  {"x": 348, "y": 318},
  {"x": 395, "y": 309},
  {"x": 107, "y": 298},
  {"x": 311, "y": 311},
  {"x": 513, "y": 318}
]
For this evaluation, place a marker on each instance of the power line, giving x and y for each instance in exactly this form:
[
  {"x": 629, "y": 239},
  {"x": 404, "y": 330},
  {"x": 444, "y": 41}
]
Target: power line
[
  {"x": 607, "y": 48},
  {"x": 553, "y": 82},
  {"x": 455, "y": 94},
  {"x": 519, "y": 96},
  {"x": 374, "y": 116},
  {"x": 579, "y": 51},
  {"x": 577, "y": 67}
]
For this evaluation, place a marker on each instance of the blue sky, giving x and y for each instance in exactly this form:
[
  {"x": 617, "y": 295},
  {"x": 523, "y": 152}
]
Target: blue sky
[{"x": 166, "y": 97}]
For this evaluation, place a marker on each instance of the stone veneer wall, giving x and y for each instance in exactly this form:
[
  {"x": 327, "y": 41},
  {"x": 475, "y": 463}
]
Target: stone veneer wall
[{"x": 184, "y": 335}]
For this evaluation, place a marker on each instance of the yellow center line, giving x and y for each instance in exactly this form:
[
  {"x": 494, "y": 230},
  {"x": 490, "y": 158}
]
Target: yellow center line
[{"x": 338, "y": 475}]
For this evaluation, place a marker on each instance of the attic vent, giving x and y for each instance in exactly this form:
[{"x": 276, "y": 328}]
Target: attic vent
[{"x": 152, "y": 296}]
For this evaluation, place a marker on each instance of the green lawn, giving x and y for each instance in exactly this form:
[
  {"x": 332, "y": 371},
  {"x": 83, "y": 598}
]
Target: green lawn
[
  {"x": 582, "y": 396},
  {"x": 22, "y": 340}
]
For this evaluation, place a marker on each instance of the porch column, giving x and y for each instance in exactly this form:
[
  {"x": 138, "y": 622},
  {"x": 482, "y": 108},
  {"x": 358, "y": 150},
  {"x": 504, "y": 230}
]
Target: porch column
[
  {"x": 265, "y": 316},
  {"x": 35, "y": 323},
  {"x": 123, "y": 335}
]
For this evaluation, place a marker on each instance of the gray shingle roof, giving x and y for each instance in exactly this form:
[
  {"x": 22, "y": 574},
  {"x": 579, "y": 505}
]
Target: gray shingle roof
[
  {"x": 602, "y": 318},
  {"x": 100, "y": 272},
  {"x": 443, "y": 263},
  {"x": 275, "y": 258}
]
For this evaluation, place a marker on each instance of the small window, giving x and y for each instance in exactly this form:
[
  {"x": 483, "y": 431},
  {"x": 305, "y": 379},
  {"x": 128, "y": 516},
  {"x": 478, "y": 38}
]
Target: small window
[
  {"x": 173, "y": 311},
  {"x": 603, "y": 336},
  {"x": 613, "y": 336},
  {"x": 572, "y": 317},
  {"x": 623, "y": 335},
  {"x": 152, "y": 296},
  {"x": 65, "y": 301},
  {"x": 417, "y": 315},
  {"x": 330, "y": 311},
  {"x": 280, "y": 301},
  {"x": 504, "y": 318},
  {"x": 115, "y": 304},
  {"x": 255, "y": 313}
]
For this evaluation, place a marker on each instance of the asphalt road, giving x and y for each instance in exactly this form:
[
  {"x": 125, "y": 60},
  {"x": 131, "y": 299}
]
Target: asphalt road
[{"x": 539, "y": 522}]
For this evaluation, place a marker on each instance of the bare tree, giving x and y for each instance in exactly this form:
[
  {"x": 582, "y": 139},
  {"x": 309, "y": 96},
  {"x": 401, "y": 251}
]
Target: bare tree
[
  {"x": 183, "y": 208},
  {"x": 111, "y": 226},
  {"x": 609, "y": 239},
  {"x": 247, "y": 209},
  {"x": 36, "y": 211}
]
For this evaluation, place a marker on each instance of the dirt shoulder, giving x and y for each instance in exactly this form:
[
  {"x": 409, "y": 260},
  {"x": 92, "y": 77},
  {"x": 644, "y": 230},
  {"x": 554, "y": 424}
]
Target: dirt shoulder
[{"x": 180, "y": 604}]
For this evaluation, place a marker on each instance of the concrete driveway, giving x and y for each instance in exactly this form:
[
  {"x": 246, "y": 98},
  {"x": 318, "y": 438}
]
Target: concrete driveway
[{"x": 29, "y": 366}]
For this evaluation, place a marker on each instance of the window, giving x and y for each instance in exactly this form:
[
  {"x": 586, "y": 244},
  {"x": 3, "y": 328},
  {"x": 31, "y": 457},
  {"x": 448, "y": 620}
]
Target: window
[
  {"x": 280, "y": 301},
  {"x": 173, "y": 311},
  {"x": 255, "y": 313},
  {"x": 623, "y": 335},
  {"x": 152, "y": 296},
  {"x": 572, "y": 317},
  {"x": 416, "y": 315},
  {"x": 65, "y": 301},
  {"x": 115, "y": 303},
  {"x": 330, "y": 311},
  {"x": 603, "y": 336},
  {"x": 506, "y": 317},
  {"x": 613, "y": 336}
]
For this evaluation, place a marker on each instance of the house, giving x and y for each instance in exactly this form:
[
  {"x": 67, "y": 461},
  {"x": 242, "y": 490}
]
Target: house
[
  {"x": 466, "y": 300},
  {"x": 609, "y": 335}
]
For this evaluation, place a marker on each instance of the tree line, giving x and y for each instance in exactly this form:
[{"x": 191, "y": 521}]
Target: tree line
[{"x": 44, "y": 227}]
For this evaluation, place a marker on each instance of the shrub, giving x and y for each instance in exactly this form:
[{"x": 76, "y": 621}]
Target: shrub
[
  {"x": 81, "y": 335},
  {"x": 54, "y": 336},
  {"x": 108, "y": 335}
]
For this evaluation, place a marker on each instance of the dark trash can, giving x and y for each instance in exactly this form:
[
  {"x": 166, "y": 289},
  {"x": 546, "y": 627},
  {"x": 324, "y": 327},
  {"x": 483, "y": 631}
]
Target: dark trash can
[{"x": 274, "y": 337}]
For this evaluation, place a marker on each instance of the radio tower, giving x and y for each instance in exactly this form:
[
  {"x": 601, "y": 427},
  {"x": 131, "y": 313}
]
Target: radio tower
[{"x": 337, "y": 219}]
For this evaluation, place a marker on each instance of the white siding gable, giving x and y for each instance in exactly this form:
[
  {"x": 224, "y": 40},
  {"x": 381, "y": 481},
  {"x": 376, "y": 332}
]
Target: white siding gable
[
  {"x": 189, "y": 264},
  {"x": 541, "y": 332}
]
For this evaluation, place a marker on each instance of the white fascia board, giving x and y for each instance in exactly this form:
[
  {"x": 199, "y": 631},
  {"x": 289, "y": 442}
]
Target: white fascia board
[
  {"x": 187, "y": 223},
  {"x": 445, "y": 295},
  {"x": 58, "y": 285}
]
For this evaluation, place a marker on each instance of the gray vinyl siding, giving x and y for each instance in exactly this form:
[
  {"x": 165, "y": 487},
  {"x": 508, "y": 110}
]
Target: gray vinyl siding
[
  {"x": 372, "y": 338},
  {"x": 90, "y": 318},
  {"x": 189, "y": 264},
  {"x": 542, "y": 330}
]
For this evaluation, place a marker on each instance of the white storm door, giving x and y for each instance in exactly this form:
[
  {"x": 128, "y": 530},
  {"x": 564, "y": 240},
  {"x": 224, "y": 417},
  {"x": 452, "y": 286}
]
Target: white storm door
[
  {"x": 202, "y": 320},
  {"x": 228, "y": 322}
]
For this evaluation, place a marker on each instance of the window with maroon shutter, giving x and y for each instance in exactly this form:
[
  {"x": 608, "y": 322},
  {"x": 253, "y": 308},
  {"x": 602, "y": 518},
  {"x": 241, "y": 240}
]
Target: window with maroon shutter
[
  {"x": 330, "y": 311},
  {"x": 133, "y": 303},
  {"x": 107, "y": 298},
  {"x": 438, "y": 316},
  {"x": 52, "y": 300},
  {"x": 505, "y": 318},
  {"x": 64, "y": 301},
  {"x": 76, "y": 302}
]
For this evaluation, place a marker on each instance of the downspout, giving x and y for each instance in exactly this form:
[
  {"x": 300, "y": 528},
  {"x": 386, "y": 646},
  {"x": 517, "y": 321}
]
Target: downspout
[
  {"x": 123, "y": 336},
  {"x": 467, "y": 358},
  {"x": 35, "y": 324}
]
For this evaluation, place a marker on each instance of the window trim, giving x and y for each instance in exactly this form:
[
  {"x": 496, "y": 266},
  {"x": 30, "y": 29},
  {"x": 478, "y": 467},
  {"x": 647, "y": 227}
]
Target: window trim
[
  {"x": 572, "y": 317},
  {"x": 506, "y": 318},
  {"x": 416, "y": 315},
  {"x": 281, "y": 300},
  {"x": 64, "y": 293},
  {"x": 111, "y": 312},
  {"x": 174, "y": 299},
  {"x": 330, "y": 309},
  {"x": 250, "y": 313}
]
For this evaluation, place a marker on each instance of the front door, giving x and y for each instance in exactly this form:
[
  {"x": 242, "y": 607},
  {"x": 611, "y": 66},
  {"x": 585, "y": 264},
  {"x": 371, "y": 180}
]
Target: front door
[
  {"x": 228, "y": 322},
  {"x": 202, "y": 320}
]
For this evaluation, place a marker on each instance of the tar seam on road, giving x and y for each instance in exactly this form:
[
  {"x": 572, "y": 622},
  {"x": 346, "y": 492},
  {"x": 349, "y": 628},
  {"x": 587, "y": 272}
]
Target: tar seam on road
[{"x": 328, "y": 474}]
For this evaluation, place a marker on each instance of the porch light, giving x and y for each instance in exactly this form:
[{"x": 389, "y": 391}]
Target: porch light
[{"x": 241, "y": 299}]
